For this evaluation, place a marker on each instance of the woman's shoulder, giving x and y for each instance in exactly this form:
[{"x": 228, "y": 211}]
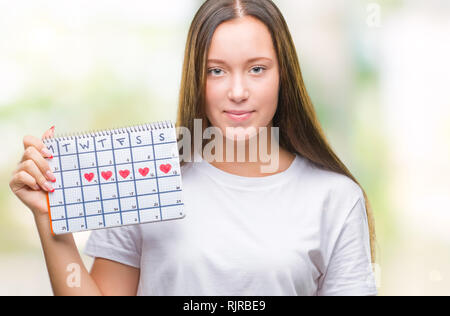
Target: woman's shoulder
[
  {"x": 331, "y": 183},
  {"x": 336, "y": 194},
  {"x": 186, "y": 168},
  {"x": 311, "y": 177}
]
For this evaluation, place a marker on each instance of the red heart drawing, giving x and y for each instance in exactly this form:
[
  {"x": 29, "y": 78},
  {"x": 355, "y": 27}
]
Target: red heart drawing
[
  {"x": 165, "y": 168},
  {"x": 124, "y": 173},
  {"x": 89, "y": 176},
  {"x": 106, "y": 175},
  {"x": 144, "y": 171}
]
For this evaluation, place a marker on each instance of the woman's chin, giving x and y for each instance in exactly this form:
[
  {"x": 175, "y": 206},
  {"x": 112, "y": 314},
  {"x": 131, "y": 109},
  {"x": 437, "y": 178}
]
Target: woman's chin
[{"x": 241, "y": 133}]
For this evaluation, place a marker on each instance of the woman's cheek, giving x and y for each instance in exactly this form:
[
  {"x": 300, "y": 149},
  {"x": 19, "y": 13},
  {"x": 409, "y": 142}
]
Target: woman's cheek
[
  {"x": 210, "y": 101},
  {"x": 268, "y": 102}
]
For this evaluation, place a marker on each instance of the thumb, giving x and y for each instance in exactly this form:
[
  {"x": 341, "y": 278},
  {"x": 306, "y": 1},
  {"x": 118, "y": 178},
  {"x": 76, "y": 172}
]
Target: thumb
[{"x": 49, "y": 133}]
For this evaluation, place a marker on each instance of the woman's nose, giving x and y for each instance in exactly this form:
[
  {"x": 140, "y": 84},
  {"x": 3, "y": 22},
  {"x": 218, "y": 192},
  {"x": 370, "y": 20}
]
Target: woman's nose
[{"x": 238, "y": 91}]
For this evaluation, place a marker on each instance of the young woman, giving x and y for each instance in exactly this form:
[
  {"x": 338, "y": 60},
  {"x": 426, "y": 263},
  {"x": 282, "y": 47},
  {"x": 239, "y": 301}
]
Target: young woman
[{"x": 304, "y": 229}]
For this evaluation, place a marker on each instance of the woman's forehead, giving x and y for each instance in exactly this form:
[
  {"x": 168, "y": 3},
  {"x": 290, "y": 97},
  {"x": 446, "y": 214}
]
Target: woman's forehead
[{"x": 243, "y": 38}]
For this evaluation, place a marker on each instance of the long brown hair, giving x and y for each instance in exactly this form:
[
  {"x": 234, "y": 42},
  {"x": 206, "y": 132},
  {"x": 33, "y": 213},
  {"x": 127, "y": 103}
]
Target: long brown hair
[{"x": 301, "y": 132}]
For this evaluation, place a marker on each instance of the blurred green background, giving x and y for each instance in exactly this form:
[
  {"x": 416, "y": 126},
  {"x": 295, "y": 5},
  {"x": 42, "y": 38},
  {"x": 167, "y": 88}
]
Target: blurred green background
[{"x": 377, "y": 72}]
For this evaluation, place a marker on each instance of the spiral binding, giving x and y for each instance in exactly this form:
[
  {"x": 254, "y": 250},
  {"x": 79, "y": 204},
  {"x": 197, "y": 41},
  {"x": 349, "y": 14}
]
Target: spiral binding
[{"x": 113, "y": 131}]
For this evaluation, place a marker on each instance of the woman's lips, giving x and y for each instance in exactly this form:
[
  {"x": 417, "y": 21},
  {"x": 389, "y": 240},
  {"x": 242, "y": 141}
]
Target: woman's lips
[{"x": 239, "y": 116}]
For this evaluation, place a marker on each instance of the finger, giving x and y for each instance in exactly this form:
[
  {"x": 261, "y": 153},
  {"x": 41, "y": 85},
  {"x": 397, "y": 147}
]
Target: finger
[
  {"x": 30, "y": 167},
  {"x": 23, "y": 178},
  {"x": 31, "y": 153},
  {"x": 49, "y": 133},
  {"x": 36, "y": 142}
]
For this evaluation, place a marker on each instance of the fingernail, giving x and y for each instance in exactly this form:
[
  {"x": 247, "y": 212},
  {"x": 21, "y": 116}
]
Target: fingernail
[
  {"x": 48, "y": 187},
  {"x": 50, "y": 176},
  {"x": 47, "y": 153}
]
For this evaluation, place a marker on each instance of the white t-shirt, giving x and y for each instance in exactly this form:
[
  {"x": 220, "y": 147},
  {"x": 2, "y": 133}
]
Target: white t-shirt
[{"x": 303, "y": 231}]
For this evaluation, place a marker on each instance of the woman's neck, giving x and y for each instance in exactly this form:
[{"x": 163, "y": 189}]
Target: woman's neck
[
  {"x": 276, "y": 160},
  {"x": 253, "y": 169}
]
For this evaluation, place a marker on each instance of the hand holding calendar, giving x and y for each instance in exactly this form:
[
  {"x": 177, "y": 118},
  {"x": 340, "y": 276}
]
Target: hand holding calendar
[
  {"x": 33, "y": 174},
  {"x": 115, "y": 177}
]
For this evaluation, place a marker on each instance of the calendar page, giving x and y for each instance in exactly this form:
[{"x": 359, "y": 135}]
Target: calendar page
[{"x": 115, "y": 177}]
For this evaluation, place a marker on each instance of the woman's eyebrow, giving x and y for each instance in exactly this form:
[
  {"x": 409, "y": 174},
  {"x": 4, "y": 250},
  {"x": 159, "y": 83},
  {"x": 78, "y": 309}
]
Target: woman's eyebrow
[{"x": 251, "y": 60}]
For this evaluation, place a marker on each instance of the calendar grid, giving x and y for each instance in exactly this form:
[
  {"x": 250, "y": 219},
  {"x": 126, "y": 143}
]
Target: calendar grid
[
  {"x": 117, "y": 180},
  {"x": 156, "y": 174},
  {"x": 99, "y": 185},
  {"x": 126, "y": 147},
  {"x": 94, "y": 215},
  {"x": 119, "y": 164},
  {"x": 62, "y": 182},
  {"x": 134, "y": 179},
  {"x": 112, "y": 199},
  {"x": 81, "y": 183},
  {"x": 124, "y": 181}
]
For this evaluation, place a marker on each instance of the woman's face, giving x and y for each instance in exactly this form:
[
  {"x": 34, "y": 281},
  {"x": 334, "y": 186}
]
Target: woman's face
[{"x": 243, "y": 76}]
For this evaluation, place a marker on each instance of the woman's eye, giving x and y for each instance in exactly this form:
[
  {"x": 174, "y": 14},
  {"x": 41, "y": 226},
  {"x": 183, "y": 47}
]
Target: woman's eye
[
  {"x": 218, "y": 72},
  {"x": 215, "y": 71},
  {"x": 258, "y": 69}
]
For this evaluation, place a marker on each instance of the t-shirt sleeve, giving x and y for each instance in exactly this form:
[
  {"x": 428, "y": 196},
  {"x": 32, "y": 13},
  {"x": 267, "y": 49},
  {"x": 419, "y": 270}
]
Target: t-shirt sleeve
[
  {"x": 119, "y": 244},
  {"x": 349, "y": 272}
]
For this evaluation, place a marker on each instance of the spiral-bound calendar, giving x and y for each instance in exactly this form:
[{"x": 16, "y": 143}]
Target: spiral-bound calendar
[{"x": 115, "y": 177}]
